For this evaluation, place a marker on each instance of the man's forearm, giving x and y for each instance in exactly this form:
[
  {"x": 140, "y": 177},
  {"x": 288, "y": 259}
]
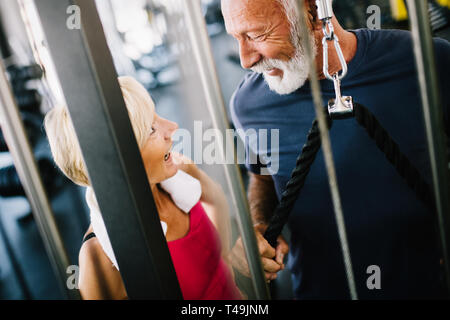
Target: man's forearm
[{"x": 262, "y": 198}]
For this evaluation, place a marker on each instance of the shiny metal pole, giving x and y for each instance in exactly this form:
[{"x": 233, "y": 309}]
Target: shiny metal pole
[
  {"x": 327, "y": 152},
  {"x": 202, "y": 51},
  {"x": 433, "y": 116},
  {"x": 27, "y": 170}
]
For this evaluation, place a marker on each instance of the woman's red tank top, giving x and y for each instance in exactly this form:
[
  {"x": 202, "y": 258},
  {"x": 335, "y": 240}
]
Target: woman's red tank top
[{"x": 201, "y": 271}]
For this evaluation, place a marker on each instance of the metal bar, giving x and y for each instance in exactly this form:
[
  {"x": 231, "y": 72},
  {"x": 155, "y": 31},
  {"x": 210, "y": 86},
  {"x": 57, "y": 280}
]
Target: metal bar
[
  {"x": 27, "y": 170},
  {"x": 89, "y": 81},
  {"x": 327, "y": 151},
  {"x": 216, "y": 107},
  {"x": 433, "y": 116}
]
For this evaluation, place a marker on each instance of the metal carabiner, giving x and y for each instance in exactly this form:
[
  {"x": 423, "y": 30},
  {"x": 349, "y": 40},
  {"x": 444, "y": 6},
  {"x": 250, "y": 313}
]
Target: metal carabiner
[
  {"x": 329, "y": 35},
  {"x": 342, "y": 106},
  {"x": 340, "y": 56}
]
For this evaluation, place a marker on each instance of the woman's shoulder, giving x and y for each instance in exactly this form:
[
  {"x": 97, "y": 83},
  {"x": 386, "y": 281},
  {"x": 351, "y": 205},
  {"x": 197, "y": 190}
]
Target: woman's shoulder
[
  {"x": 92, "y": 257},
  {"x": 99, "y": 279},
  {"x": 197, "y": 208},
  {"x": 203, "y": 223},
  {"x": 198, "y": 213},
  {"x": 90, "y": 249}
]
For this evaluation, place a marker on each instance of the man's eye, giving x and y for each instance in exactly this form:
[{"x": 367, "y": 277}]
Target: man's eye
[{"x": 257, "y": 37}]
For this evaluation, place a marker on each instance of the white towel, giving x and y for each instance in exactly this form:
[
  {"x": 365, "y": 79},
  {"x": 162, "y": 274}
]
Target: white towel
[{"x": 184, "y": 190}]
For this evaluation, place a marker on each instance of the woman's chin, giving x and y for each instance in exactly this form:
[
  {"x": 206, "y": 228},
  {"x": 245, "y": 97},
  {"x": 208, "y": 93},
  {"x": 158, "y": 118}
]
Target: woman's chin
[
  {"x": 168, "y": 173},
  {"x": 172, "y": 172},
  {"x": 170, "y": 168}
]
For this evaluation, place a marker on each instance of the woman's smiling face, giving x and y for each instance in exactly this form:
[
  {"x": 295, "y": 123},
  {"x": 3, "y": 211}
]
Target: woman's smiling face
[
  {"x": 155, "y": 152},
  {"x": 153, "y": 133}
]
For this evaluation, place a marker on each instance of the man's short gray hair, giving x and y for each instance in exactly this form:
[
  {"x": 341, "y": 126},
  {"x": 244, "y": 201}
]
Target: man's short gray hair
[
  {"x": 291, "y": 12},
  {"x": 290, "y": 9}
]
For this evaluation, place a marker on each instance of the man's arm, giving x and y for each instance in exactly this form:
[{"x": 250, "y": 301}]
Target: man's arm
[
  {"x": 262, "y": 201},
  {"x": 262, "y": 198}
]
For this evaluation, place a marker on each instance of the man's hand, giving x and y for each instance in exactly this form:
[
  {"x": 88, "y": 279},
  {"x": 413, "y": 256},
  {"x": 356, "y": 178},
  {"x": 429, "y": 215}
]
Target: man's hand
[
  {"x": 271, "y": 259},
  {"x": 282, "y": 248},
  {"x": 262, "y": 201}
]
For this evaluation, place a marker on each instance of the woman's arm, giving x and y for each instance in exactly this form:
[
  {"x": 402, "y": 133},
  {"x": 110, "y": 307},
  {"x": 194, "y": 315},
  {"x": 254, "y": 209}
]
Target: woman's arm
[
  {"x": 213, "y": 199},
  {"x": 216, "y": 206}
]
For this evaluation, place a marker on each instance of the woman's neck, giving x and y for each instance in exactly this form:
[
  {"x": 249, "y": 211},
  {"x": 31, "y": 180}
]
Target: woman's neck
[
  {"x": 177, "y": 222},
  {"x": 162, "y": 201}
]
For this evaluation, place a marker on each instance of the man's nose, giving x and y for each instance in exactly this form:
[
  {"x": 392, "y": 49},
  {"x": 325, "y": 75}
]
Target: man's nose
[{"x": 249, "y": 56}]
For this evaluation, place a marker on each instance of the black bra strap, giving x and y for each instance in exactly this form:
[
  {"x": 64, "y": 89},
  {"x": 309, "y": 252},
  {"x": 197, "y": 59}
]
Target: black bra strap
[{"x": 89, "y": 236}]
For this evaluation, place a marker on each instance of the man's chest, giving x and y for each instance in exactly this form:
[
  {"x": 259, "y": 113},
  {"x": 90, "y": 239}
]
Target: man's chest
[{"x": 354, "y": 152}]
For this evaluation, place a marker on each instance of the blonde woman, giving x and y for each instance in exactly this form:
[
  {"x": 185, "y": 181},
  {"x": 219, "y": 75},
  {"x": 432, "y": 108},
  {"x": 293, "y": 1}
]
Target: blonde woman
[{"x": 197, "y": 239}]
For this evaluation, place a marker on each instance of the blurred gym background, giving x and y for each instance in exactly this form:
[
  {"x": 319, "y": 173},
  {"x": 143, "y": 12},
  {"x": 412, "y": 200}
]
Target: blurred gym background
[{"x": 144, "y": 38}]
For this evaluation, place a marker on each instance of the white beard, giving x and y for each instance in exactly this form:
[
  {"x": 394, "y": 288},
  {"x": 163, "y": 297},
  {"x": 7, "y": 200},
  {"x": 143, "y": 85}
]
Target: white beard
[{"x": 295, "y": 71}]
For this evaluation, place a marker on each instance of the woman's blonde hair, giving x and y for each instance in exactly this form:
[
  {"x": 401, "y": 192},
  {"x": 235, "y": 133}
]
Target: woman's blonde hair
[{"x": 64, "y": 142}]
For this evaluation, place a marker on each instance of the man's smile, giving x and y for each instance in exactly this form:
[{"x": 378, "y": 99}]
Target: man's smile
[{"x": 274, "y": 72}]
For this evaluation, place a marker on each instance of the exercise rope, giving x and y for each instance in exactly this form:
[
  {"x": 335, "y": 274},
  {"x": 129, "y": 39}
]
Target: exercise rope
[{"x": 309, "y": 151}]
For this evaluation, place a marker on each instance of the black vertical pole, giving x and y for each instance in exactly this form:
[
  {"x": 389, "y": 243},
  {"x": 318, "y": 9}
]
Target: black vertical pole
[{"x": 89, "y": 81}]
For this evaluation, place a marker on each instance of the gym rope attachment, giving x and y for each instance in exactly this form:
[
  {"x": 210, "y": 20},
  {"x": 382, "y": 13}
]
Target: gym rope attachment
[
  {"x": 295, "y": 183},
  {"x": 306, "y": 158}
]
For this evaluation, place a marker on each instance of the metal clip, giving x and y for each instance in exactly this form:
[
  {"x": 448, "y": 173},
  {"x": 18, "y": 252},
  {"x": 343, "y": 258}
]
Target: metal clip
[
  {"x": 340, "y": 56},
  {"x": 342, "y": 106},
  {"x": 324, "y": 9}
]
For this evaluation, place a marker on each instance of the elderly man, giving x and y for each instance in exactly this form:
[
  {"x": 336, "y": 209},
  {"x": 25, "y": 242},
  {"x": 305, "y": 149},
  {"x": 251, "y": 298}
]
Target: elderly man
[{"x": 392, "y": 235}]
